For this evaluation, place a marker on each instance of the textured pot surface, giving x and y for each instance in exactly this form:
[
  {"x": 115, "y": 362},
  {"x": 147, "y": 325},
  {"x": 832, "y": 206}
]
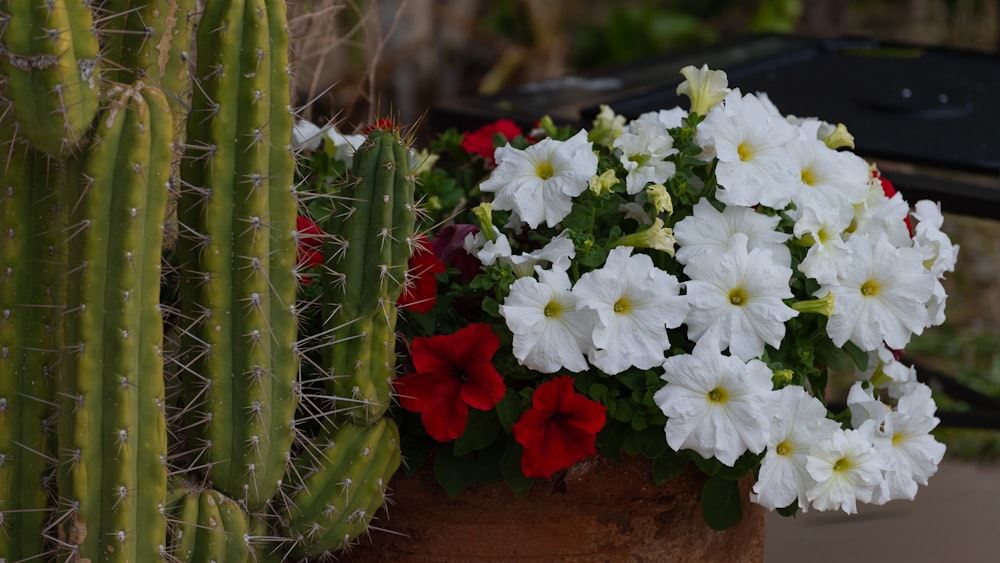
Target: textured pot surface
[{"x": 600, "y": 511}]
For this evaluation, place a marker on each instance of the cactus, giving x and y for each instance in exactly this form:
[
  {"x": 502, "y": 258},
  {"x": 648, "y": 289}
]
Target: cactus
[
  {"x": 148, "y": 40},
  {"x": 371, "y": 228},
  {"x": 49, "y": 53},
  {"x": 112, "y": 428},
  {"x": 237, "y": 256},
  {"x": 343, "y": 487},
  {"x": 31, "y": 291},
  {"x": 209, "y": 526}
]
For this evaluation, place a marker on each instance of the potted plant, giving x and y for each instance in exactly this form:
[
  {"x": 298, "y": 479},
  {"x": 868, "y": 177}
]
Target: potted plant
[{"x": 649, "y": 312}]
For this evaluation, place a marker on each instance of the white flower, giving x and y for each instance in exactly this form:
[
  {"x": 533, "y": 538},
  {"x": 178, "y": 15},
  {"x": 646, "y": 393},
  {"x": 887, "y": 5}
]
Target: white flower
[
  {"x": 881, "y": 295},
  {"x": 710, "y": 230},
  {"x": 548, "y": 330},
  {"x": 865, "y": 406},
  {"x": 799, "y": 423},
  {"x": 642, "y": 151},
  {"x": 668, "y": 118},
  {"x": 306, "y": 135},
  {"x": 344, "y": 145},
  {"x": 935, "y": 246},
  {"x": 884, "y": 369},
  {"x": 879, "y": 215},
  {"x": 736, "y": 299},
  {"x": 705, "y": 88},
  {"x": 633, "y": 304},
  {"x": 539, "y": 182},
  {"x": 824, "y": 225},
  {"x": 487, "y": 251},
  {"x": 905, "y": 445},
  {"x": 559, "y": 252},
  {"x": 754, "y": 165},
  {"x": 716, "y": 405},
  {"x": 846, "y": 469},
  {"x": 838, "y": 178}
]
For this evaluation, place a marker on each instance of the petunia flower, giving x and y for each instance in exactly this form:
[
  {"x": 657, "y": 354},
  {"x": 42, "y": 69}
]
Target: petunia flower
[
  {"x": 754, "y": 165},
  {"x": 559, "y": 429},
  {"x": 709, "y": 229},
  {"x": 881, "y": 295},
  {"x": 309, "y": 243},
  {"x": 452, "y": 373},
  {"x": 306, "y": 135},
  {"x": 796, "y": 425},
  {"x": 539, "y": 182},
  {"x": 549, "y": 333},
  {"x": 633, "y": 303},
  {"x": 420, "y": 288},
  {"x": 481, "y": 141},
  {"x": 737, "y": 299},
  {"x": 704, "y": 87},
  {"x": 846, "y": 470},
  {"x": 642, "y": 151},
  {"x": 717, "y": 405}
]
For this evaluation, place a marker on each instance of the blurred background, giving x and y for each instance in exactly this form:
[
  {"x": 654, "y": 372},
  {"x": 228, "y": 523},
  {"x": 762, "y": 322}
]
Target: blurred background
[{"x": 355, "y": 60}]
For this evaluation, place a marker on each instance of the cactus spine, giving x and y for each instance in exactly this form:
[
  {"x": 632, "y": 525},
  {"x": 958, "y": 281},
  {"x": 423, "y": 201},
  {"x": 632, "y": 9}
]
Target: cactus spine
[
  {"x": 112, "y": 428},
  {"x": 49, "y": 54},
  {"x": 371, "y": 237},
  {"x": 237, "y": 256},
  {"x": 31, "y": 291}
]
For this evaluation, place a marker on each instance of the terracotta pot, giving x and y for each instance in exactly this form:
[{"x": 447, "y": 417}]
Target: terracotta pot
[{"x": 601, "y": 511}]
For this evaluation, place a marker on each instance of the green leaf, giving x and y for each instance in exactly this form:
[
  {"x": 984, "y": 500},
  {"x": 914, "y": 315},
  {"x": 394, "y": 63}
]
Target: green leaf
[
  {"x": 721, "y": 503},
  {"x": 510, "y": 409},
  {"x": 481, "y": 429},
  {"x": 510, "y": 468},
  {"x": 651, "y": 441},
  {"x": 858, "y": 356},
  {"x": 710, "y": 467},
  {"x": 669, "y": 465},
  {"x": 455, "y": 474}
]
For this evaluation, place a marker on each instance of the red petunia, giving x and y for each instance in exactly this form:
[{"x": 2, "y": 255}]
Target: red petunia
[
  {"x": 559, "y": 429},
  {"x": 310, "y": 244},
  {"x": 451, "y": 373},
  {"x": 420, "y": 291},
  {"x": 480, "y": 141}
]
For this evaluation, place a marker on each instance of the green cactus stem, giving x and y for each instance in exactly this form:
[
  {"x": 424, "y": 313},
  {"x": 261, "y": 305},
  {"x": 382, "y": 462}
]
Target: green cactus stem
[
  {"x": 371, "y": 228},
  {"x": 236, "y": 254},
  {"x": 207, "y": 526},
  {"x": 149, "y": 40},
  {"x": 112, "y": 429},
  {"x": 342, "y": 488},
  {"x": 49, "y": 53},
  {"x": 31, "y": 292}
]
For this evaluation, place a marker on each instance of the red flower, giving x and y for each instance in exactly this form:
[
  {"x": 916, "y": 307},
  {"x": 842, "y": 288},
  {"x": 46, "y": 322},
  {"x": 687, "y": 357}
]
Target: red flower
[
  {"x": 480, "y": 141},
  {"x": 559, "y": 429},
  {"x": 451, "y": 373},
  {"x": 310, "y": 244},
  {"x": 420, "y": 291},
  {"x": 383, "y": 123},
  {"x": 449, "y": 246}
]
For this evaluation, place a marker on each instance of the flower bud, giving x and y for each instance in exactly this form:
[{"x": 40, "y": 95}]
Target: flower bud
[
  {"x": 660, "y": 199},
  {"x": 608, "y": 126},
  {"x": 840, "y": 138},
  {"x": 484, "y": 214},
  {"x": 603, "y": 183},
  {"x": 705, "y": 88},
  {"x": 823, "y": 306},
  {"x": 657, "y": 237}
]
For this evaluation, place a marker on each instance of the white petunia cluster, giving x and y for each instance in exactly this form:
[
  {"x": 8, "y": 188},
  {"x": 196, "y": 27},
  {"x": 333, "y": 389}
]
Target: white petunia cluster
[{"x": 781, "y": 189}]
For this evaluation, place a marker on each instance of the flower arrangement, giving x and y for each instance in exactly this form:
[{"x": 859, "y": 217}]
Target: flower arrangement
[{"x": 680, "y": 286}]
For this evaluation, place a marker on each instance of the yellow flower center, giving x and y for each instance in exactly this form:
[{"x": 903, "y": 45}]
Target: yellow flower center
[
  {"x": 544, "y": 170},
  {"x": 552, "y": 309},
  {"x": 870, "y": 288},
  {"x": 808, "y": 178},
  {"x": 745, "y": 152},
  {"x": 897, "y": 439},
  {"x": 718, "y": 395},
  {"x": 738, "y": 297},
  {"x": 842, "y": 464},
  {"x": 622, "y": 306},
  {"x": 783, "y": 448}
]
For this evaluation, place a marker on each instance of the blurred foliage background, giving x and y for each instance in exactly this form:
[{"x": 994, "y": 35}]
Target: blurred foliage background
[{"x": 358, "y": 59}]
